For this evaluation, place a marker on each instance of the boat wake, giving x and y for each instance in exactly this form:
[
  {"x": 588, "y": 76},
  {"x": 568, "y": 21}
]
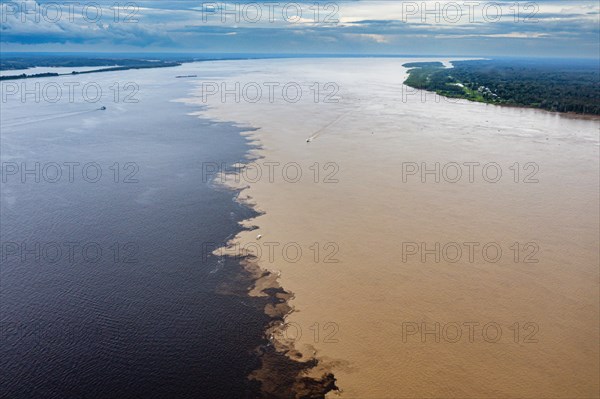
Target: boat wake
[{"x": 49, "y": 117}]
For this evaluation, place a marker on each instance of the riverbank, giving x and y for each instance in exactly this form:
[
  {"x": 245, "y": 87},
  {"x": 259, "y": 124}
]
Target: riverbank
[{"x": 553, "y": 85}]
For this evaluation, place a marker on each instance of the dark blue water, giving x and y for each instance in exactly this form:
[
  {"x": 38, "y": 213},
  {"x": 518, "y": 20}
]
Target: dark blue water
[{"x": 148, "y": 316}]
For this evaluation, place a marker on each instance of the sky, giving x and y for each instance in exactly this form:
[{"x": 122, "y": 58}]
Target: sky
[{"x": 544, "y": 28}]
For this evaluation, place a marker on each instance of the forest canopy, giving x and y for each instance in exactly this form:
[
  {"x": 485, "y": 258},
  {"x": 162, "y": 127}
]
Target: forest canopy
[{"x": 553, "y": 85}]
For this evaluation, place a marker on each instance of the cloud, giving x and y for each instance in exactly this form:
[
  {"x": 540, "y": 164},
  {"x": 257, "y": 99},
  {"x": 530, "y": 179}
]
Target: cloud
[
  {"x": 514, "y": 35},
  {"x": 372, "y": 36},
  {"x": 364, "y": 26}
]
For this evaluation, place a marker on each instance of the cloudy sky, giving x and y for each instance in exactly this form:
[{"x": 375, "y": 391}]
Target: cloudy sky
[{"x": 427, "y": 27}]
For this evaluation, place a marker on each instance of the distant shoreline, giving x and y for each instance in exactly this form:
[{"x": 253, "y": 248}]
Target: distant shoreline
[{"x": 112, "y": 69}]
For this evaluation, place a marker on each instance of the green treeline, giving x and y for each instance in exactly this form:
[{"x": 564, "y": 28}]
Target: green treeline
[{"x": 553, "y": 85}]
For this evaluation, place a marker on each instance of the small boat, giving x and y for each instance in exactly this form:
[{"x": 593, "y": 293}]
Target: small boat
[{"x": 103, "y": 108}]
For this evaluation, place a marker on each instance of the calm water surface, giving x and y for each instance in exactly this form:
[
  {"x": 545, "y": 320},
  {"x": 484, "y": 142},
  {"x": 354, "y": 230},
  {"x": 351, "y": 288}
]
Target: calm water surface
[{"x": 106, "y": 289}]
